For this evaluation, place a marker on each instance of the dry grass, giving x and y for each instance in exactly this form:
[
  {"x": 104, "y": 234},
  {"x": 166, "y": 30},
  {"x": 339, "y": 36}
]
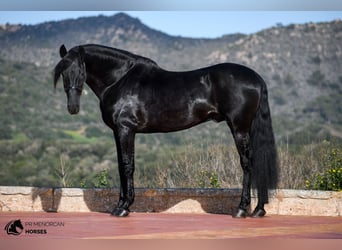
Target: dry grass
[
  {"x": 194, "y": 167},
  {"x": 186, "y": 169}
]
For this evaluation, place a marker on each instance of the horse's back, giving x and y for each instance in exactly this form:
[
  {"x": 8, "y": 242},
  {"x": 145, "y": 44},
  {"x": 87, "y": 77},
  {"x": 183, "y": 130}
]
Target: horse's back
[{"x": 234, "y": 74}]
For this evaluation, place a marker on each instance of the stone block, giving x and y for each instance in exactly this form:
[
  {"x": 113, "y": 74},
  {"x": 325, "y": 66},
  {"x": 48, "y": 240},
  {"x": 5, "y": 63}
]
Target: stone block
[{"x": 219, "y": 201}]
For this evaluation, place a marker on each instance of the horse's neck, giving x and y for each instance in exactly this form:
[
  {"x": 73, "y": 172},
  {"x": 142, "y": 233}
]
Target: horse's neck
[{"x": 102, "y": 73}]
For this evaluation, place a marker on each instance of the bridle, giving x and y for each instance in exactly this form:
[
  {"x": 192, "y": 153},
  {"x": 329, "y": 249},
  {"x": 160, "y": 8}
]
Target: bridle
[{"x": 77, "y": 88}]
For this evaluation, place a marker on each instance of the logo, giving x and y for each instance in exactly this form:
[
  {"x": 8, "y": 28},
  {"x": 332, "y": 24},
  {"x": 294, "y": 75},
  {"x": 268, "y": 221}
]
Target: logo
[{"x": 14, "y": 227}]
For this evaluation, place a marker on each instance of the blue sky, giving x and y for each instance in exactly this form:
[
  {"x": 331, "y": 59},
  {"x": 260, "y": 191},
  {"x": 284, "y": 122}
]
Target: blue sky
[
  {"x": 208, "y": 24},
  {"x": 171, "y": 5}
]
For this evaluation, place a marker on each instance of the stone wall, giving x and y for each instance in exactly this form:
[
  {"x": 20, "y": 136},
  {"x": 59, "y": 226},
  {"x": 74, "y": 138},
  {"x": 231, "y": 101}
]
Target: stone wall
[{"x": 221, "y": 201}]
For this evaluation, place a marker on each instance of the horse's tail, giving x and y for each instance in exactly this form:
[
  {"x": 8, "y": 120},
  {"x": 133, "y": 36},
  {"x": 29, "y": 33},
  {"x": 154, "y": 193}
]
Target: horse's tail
[{"x": 264, "y": 153}]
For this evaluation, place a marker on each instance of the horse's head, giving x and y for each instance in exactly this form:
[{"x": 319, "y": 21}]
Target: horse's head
[
  {"x": 17, "y": 223},
  {"x": 73, "y": 71}
]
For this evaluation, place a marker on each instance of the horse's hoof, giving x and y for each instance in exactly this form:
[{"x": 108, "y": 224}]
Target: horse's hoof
[
  {"x": 258, "y": 213},
  {"x": 120, "y": 212},
  {"x": 241, "y": 213}
]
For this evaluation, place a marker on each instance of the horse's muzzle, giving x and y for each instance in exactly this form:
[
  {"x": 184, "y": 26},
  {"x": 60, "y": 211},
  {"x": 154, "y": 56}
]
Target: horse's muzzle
[{"x": 73, "y": 109}]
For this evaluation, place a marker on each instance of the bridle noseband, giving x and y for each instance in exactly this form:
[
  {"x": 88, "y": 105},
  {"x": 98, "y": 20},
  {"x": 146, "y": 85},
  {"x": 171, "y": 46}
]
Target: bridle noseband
[{"x": 78, "y": 88}]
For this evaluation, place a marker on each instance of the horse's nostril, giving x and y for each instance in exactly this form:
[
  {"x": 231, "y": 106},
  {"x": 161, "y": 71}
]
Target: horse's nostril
[{"x": 73, "y": 109}]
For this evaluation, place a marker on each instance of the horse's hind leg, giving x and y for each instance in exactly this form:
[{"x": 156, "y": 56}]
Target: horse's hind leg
[
  {"x": 242, "y": 142},
  {"x": 259, "y": 210}
]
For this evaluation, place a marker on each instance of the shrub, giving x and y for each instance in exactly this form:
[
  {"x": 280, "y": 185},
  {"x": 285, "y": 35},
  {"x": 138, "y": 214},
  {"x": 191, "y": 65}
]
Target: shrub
[
  {"x": 100, "y": 180},
  {"x": 207, "y": 179},
  {"x": 331, "y": 177},
  {"x": 317, "y": 78}
]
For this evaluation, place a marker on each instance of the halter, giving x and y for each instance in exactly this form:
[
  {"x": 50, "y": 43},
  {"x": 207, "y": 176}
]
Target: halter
[{"x": 78, "y": 88}]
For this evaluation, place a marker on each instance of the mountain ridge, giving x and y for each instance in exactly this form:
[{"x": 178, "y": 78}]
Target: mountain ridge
[
  {"x": 40, "y": 141},
  {"x": 300, "y": 63}
]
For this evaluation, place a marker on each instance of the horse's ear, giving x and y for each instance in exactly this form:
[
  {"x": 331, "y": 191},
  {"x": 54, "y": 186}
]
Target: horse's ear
[
  {"x": 62, "y": 51},
  {"x": 81, "y": 53}
]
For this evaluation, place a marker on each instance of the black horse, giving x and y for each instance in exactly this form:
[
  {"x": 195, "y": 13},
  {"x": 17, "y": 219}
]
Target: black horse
[{"x": 137, "y": 96}]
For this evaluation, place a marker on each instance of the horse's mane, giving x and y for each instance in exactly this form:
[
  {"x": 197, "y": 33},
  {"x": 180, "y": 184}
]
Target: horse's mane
[
  {"x": 108, "y": 53},
  {"x": 60, "y": 67}
]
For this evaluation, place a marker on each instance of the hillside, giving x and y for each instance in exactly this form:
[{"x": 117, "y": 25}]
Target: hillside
[
  {"x": 39, "y": 43},
  {"x": 302, "y": 65}
]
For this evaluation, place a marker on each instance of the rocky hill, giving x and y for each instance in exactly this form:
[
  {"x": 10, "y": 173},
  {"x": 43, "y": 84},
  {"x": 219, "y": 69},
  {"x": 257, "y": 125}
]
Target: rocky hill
[
  {"x": 42, "y": 145},
  {"x": 39, "y": 43},
  {"x": 302, "y": 64}
]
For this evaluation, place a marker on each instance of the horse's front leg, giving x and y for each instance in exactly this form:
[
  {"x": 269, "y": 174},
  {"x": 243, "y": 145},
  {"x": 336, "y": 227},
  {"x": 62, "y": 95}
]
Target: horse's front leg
[{"x": 124, "y": 138}]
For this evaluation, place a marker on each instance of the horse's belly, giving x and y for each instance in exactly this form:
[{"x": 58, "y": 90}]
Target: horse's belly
[{"x": 175, "y": 118}]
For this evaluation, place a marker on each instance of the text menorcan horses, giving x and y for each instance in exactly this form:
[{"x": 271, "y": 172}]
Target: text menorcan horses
[{"x": 137, "y": 96}]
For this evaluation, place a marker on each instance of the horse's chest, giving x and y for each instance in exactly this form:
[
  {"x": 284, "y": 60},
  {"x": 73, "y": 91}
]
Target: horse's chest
[{"x": 126, "y": 111}]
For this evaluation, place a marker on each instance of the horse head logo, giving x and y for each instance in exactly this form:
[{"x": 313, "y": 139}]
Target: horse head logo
[{"x": 14, "y": 227}]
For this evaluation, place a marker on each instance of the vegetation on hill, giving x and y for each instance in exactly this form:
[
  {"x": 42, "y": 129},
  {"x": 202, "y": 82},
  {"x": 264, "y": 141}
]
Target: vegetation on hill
[{"x": 42, "y": 145}]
